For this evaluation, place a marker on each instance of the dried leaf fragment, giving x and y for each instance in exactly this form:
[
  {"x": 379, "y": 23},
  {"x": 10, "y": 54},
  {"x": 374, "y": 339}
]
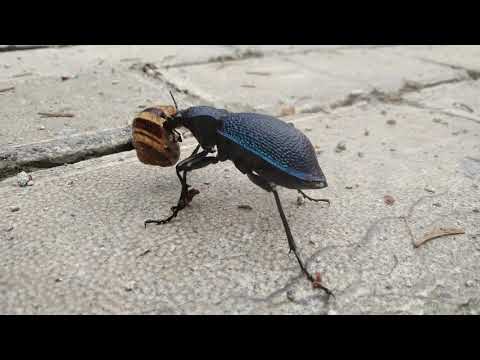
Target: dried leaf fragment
[{"x": 438, "y": 232}]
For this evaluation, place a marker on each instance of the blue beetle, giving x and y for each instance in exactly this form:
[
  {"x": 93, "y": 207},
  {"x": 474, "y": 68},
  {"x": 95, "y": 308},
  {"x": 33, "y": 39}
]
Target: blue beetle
[{"x": 269, "y": 151}]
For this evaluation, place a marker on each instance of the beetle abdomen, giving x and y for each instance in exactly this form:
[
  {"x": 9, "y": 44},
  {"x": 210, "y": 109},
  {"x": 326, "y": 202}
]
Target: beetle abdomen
[{"x": 276, "y": 142}]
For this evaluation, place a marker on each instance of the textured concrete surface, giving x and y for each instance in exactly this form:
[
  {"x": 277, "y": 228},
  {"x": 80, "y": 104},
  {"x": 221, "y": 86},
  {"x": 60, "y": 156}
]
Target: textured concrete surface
[
  {"x": 308, "y": 81},
  {"x": 453, "y": 56},
  {"x": 384, "y": 69},
  {"x": 68, "y": 149},
  {"x": 74, "y": 242},
  {"x": 460, "y": 99},
  {"x": 97, "y": 101}
]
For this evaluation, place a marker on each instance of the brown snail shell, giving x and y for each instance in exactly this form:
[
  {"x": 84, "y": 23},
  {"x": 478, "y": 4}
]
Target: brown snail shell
[{"x": 154, "y": 144}]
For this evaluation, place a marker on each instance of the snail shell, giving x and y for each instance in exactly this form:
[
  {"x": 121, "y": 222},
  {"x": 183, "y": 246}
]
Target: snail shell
[{"x": 154, "y": 144}]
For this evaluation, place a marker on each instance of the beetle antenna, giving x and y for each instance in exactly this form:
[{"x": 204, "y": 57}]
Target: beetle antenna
[{"x": 176, "y": 107}]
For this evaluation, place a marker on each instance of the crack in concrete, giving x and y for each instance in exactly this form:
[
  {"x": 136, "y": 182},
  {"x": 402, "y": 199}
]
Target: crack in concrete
[
  {"x": 61, "y": 151},
  {"x": 28, "y": 47},
  {"x": 252, "y": 53},
  {"x": 151, "y": 70},
  {"x": 473, "y": 74}
]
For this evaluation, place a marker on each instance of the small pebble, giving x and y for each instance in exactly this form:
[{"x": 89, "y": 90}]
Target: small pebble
[
  {"x": 357, "y": 93},
  {"x": 349, "y": 187},
  {"x": 130, "y": 286},
  {"x": 389, "y": 200},
  {"x": 41, "y": 127},
  {"x": 67, "y": 77},
  {"x": 429, "y": 189},
  {"x": 469, "y": 283},
  {"x": 437, "y": 204},
  {"x": 23, "y": 178},
  {"x": 476, "y": 210},
  {"x": 70, "y": 183},
  {"x": 391, "y": 122},
  {"x": 287, "y": 111},
  {"x": 245, "y": 207},
  {"x": 115, "y": 82},
  {"x": 366, "y": 132},
  {"x": 14, "y": 208},
  {"x": 291, "y": 295},
  {"x": 300, "y": 200},
  {"x": 341, "y": 146},
  {"x": 9, "y": 228}
]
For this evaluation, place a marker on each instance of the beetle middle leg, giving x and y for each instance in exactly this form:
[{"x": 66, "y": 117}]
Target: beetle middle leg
[
  {"x": 305, "y": 196},
  {"x": 193, "y": 162}
]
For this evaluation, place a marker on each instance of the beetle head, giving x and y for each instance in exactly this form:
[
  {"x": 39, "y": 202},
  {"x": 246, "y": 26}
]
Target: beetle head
[{"x": 174, "y": 122}]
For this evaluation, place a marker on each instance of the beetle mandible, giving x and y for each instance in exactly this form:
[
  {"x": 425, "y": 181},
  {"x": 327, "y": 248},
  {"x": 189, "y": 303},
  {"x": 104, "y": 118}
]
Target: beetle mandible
[{"x": 268, "y": 150}]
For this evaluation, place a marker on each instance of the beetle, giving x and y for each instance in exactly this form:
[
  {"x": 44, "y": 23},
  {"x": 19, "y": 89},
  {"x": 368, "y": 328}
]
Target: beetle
[{"x": 269, "y": 151}]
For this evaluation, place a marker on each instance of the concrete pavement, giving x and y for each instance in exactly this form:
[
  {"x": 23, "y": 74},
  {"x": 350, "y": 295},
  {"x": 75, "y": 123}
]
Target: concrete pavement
[{"x": 74, "y": 242}]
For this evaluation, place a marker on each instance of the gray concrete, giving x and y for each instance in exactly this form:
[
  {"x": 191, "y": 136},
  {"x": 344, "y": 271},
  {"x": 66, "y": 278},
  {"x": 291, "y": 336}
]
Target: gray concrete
[
  {"x": 460, "y": 99},
  {"x": 383, "y": 69},
  {"x": 461, "y": 56},
  {"x": 74, "y": 241},
  {"x": 97, "y": 101},
  {"x": 63, "y": 150},
  {"x": 264, "y": 84},
  {"x": 308, "y": 80}
]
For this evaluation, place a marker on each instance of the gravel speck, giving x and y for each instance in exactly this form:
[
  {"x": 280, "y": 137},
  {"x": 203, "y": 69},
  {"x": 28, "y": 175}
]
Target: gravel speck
[
  {"x": 23, "y": 178},
  {"x": 341, "y": 146},
  {"x": 300, "y": 200},
  {"x": 291, "y": 295},
  {"x": 429, "y": 189},
  {"x": 245, "y": 207}
]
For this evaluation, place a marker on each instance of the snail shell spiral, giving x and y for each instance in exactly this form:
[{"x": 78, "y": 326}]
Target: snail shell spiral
[{"x": 154, "y": 144}]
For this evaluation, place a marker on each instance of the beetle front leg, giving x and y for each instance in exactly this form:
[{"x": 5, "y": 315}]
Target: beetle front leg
[{"x": 195, "y": 161}]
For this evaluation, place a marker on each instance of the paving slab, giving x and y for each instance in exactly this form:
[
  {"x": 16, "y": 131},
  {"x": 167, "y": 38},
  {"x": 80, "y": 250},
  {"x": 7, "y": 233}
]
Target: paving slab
[
  {"x": 290, "y": 49},
  {"x": 262, "y": 84},
  {"x": 464, "y": 56},
  {"x": 308, "y": 81},
  {"x": 386, "y": 69},
  {"x": 98, "y": 100},
  {"x": 79, "y": 59},
  {"x": 74, "y": 242},
  {"x": 461, "y": 99},
  {"x": 4, "y": 48}
]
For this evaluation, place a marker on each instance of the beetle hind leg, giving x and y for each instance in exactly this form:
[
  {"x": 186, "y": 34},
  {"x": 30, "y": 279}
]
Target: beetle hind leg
[
  {"x": 305, "y": 196},
  {"x": 293, "y": 246}
]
